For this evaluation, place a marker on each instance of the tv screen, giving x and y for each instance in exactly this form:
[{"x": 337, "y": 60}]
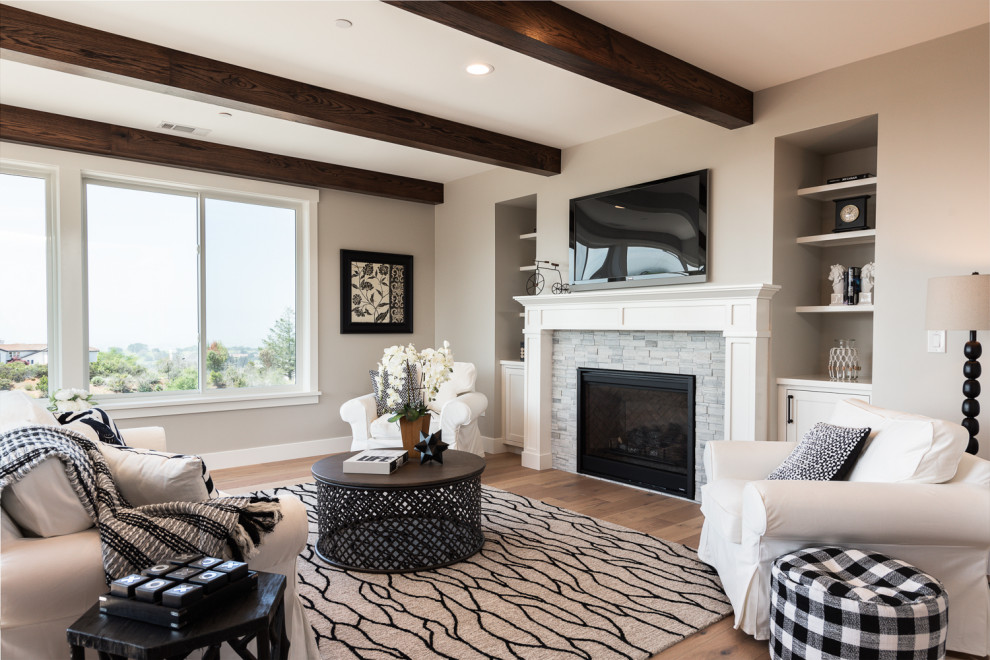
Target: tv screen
[{"x": 651, "y": 233}]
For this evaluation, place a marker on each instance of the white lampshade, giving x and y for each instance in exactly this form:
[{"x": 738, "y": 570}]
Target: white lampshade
[{"x": 959, "y": 303}]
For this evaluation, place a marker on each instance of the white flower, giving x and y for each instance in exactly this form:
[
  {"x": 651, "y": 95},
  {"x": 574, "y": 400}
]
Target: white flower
[{"x": 63, "y": 395}]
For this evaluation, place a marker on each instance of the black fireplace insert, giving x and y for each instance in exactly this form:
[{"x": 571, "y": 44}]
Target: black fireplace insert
[{"x": 637, "y": 427}]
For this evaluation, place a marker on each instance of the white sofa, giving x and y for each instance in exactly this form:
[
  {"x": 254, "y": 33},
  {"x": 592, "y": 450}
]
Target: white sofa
[
  {"x": 942, "y": 528},
  {"x": 455, "y": 412},
  {"x": 47, "y": 583}
]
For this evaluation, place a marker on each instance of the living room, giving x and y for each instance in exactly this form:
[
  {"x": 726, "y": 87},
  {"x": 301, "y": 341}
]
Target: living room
[{"x": 916, "y": 112}]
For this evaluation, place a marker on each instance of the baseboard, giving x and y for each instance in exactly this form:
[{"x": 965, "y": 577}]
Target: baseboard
[
  {"x": 492, "y": 445},
  {"x": 271, "y": 453}
]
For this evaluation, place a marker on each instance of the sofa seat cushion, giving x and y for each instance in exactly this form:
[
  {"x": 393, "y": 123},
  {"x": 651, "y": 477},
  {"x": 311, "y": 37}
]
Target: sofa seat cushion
[
  {"x": 44, "y": 504},
  {"x": 722, "y": 503},
  {"x": 902, "y": 448}
]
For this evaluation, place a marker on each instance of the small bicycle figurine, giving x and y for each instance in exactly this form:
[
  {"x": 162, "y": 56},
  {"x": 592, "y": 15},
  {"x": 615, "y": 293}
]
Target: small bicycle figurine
[{"x": 534, "y": 285}]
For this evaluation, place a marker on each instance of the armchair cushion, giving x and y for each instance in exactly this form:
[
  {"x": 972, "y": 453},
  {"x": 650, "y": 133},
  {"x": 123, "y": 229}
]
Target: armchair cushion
[
  {"x": 461, "y": 380},
  {"x": 144, "y": 476},
  {"x": 902, "y": 448},
  {"x": 826, "y": 453},
  {"x": 44, "y": 504}
]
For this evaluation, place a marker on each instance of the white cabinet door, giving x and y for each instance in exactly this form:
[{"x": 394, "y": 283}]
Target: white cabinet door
[
  {"x": 513, "y": 400},
  {"x": 802, "y": 409}
]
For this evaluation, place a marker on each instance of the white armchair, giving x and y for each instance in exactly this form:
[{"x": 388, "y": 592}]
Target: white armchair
[
  {"x": 455, "y": 412},
  {"x": 941, "y": 528}
]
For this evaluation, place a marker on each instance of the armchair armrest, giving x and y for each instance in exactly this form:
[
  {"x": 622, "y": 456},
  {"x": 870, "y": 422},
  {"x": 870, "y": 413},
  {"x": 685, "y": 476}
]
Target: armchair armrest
[
  {"x": 145, "y": 437},
  {"x": 744, "y": 459},
  {"x": 359, "y": 413},
  {"x": 864, "y": 512},
  {"x": 463, "y": 410}
]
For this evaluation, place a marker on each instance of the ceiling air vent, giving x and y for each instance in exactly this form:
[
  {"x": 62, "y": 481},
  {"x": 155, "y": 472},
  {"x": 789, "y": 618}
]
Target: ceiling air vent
[{"x": 188, "y": 130}]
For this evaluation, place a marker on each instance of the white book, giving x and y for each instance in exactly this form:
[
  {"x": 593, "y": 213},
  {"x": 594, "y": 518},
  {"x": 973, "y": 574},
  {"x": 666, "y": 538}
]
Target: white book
[{"x": 376, "y": 461}]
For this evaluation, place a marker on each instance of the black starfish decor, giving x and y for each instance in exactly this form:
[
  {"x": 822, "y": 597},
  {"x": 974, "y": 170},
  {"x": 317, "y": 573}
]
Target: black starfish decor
[{"x": 431, "y": 447}]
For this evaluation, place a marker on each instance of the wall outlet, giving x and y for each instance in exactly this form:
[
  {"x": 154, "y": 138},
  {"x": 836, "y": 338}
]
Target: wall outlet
[{"x": 936, "y": 341}]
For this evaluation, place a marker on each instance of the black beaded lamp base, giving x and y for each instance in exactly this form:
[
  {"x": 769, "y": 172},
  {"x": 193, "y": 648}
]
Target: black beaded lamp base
[{"x": 971, "y": 390}]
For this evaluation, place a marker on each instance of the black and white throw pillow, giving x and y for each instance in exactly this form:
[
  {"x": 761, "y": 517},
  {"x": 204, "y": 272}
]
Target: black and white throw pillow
[
  {"x": 827, "y": 453},
  {"x": 95, "y": 424},
  {"x": 415, "y": 396}
]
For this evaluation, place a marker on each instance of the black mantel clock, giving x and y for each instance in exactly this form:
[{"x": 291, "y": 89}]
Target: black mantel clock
[{"x": 850, "y": 213}]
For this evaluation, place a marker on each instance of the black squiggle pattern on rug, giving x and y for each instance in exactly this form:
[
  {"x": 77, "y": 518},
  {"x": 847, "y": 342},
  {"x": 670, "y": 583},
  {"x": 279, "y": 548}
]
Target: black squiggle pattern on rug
[{"x": 548, "y": 584}]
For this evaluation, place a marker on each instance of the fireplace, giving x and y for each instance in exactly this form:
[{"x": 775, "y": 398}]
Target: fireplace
[{"x": 637, "y": 427}]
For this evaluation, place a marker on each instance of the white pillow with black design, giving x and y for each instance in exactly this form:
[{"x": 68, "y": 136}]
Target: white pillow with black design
[
  {"x": 146, "y": 476},
  {"x": 95, "y": 424},
  {"x": 827, "y": 453}
]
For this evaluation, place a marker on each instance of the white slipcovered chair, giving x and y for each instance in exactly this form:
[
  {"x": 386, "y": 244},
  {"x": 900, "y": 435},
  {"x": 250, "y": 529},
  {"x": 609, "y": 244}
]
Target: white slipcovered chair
[
  {"x": 47, "y": 582},
  {"x": 455, "y": 412},
  {"x": 913, "y": 495}
]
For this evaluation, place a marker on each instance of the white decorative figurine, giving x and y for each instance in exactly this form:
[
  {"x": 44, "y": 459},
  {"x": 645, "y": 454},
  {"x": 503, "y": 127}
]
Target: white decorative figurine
[
  {"x": 867, "y": 278},
  {"x": 837, "y": 276}
]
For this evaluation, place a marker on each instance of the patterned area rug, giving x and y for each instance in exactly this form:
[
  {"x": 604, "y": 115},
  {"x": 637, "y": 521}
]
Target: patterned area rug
[{"x": 548, "y": 584}]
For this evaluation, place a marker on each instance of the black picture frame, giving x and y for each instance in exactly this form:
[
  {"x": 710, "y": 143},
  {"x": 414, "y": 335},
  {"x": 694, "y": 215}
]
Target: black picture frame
[{"x": 376, "y": 292}]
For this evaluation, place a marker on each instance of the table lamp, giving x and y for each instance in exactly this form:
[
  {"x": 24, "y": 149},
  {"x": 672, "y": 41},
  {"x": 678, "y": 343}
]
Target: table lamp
[{"x": 963, "y": 303}]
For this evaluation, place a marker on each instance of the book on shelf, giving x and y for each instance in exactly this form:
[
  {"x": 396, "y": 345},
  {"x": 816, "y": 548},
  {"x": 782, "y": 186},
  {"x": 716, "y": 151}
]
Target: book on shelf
[
  {"x": 376, "y": 461},
  {"x": 851, "y": 177}
]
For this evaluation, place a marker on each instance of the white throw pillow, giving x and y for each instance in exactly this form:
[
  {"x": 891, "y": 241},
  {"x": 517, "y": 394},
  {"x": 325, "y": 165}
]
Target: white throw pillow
[
  {"x": 44, "y": 504},
  {"x": 145, "y": 476},
  {"x": 18, "y": 409},
  {"x": 902, "y": 448},
  {"x": 461, "y": 380}
]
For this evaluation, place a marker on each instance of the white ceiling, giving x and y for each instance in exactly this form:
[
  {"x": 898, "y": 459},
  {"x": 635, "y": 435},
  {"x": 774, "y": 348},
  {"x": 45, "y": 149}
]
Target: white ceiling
[{"x": 392, "y": 56}]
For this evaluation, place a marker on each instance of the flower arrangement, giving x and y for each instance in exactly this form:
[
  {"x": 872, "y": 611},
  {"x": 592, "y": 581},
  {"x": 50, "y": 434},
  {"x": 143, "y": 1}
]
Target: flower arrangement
[
  {"x": 71, "y": 400},
  {"x": 430, "y": 368}
]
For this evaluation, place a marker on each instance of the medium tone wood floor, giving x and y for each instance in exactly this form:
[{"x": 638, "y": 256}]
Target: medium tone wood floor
[{"x": 664, "y": 517}]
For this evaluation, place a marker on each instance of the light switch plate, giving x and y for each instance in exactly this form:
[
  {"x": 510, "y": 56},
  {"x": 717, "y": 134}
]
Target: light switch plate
[{"x": 936, "y": 341}]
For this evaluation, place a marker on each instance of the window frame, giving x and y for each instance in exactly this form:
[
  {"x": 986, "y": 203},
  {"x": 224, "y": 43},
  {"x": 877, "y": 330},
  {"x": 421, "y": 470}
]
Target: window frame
[
  {"x": 204, "y": 399},
  {"x": 49, "y": 175}
]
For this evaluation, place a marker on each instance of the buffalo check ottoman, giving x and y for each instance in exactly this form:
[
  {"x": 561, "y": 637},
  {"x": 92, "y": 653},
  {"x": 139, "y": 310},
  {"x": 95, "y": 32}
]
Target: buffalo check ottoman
[{"x": 841, "y": 604}]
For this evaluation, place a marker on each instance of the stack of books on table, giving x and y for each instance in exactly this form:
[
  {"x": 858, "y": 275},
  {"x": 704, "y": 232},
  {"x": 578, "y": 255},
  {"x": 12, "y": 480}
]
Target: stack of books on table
[{"x": 376, "y": 461}]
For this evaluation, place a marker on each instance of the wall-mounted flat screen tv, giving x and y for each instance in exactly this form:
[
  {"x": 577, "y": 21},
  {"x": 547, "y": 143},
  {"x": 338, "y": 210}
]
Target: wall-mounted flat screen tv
[{"x": 643, "y": 235}]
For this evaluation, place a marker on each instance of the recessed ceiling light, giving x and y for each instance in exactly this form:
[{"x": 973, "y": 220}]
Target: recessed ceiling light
[
  {"x": 479, "y": 69},
  {"x": 343, "y": 23}
]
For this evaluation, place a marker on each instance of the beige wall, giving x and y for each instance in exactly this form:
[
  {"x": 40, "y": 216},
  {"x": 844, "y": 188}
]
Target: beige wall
[
  {"x": 932, "y": 102},
  {"x": 346, "y": 221}
]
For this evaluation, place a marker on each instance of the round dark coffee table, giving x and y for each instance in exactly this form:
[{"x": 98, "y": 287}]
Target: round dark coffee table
[{"x": 417, "y": 518}]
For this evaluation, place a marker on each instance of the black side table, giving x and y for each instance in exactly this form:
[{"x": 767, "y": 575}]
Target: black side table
[{"x": 259, "y": 614}]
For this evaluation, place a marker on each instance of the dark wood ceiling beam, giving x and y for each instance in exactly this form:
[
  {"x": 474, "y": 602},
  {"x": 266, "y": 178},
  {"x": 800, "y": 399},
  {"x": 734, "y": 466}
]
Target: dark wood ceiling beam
[
  {"x": 44, "y": 129},
  {"x": 556, "y": 35},
  {"x": 48, "y": 42}
]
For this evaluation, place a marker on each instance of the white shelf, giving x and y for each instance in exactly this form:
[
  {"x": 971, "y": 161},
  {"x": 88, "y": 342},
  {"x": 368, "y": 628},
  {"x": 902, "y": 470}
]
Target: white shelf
[
  {"x": 833, "y": 191},
  {"x": 835, "y": 309},
  {"x": 861, "y": 237},
  {"x": 524, "y": 268},
  {"x": 528, "y": 237},
  {"x": 821, "y": 381}
]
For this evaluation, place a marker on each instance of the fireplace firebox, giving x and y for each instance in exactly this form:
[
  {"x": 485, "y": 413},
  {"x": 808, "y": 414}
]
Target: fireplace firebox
[{"x": 637, "y": 427}]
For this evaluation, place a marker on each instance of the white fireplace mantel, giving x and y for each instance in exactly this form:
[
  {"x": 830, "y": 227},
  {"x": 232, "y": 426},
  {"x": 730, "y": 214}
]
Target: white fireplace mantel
[{"x": 740, "y": 312}]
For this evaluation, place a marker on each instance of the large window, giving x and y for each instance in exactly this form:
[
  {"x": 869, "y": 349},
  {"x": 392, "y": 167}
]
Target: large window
[
  {"x": 189, "y": 291},
  {"x": 24, "y": 258}
]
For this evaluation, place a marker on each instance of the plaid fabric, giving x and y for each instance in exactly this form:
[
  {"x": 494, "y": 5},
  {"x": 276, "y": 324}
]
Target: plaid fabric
[
  {"x": 840, "y": 604},
  {"x": 134, "y": 538}
]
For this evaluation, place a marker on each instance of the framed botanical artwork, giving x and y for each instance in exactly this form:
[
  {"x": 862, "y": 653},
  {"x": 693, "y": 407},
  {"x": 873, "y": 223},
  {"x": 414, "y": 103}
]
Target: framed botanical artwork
[{"x": 376, "y": 292}]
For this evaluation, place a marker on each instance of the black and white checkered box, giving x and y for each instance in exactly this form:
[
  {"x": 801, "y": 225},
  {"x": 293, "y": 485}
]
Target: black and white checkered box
[{"x": 843, "y": 604}]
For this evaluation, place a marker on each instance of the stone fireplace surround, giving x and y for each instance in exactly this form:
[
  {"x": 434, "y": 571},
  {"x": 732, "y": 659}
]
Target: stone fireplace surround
[{"x": 740, "y": 313}]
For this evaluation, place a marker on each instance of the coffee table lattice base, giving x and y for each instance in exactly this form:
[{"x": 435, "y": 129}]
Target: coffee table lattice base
[{"x": 399, "y": 529}]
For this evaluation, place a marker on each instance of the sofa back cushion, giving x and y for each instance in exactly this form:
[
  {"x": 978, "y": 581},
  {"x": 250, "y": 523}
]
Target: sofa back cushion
[
  {"x": 145, "y": 476},
  {"x": 44, "y": 504},
  {"x": 462, "y": 380},
  {"x": 902, "y": 448},
  {"x": 18, "y": 409}
]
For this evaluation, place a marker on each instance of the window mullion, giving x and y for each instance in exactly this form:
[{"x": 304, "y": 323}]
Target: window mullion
[{"x": 201, "y": 279}]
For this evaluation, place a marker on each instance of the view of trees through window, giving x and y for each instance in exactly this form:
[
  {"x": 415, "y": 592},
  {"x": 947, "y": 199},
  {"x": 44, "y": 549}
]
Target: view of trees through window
[
  {"x": 147, "y": 303},
  {"x": 23, "y": 268}
]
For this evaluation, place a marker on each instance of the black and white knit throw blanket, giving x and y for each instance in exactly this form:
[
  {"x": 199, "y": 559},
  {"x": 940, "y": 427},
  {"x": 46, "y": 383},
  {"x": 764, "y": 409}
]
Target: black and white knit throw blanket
[{"x": 134, "y": 538}]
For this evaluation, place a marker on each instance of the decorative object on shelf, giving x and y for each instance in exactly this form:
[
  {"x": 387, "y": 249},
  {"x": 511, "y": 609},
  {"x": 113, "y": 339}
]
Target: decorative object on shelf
[
  {"x": 850, "y": 213},
  {"x": 867, "y": 279},
  {"x": 852, "y": 177},
  {"x": 837, "y": 276},
  {"x": 963, "y": 303},
  {"x": 375, "y": 292},
  {"x": 425, "y": 371},
  {"x": 843, "y": 362},
  {"x": 431, "y": 447},
  {"x": 71, "y": 399},
  {"x": 852, "y": 284},
  {"x": 536, "y": 281}
]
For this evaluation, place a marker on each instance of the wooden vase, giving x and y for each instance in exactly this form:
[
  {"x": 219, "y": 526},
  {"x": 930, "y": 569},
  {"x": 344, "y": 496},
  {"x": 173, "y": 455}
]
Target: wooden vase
[{"x": 410, "y": 433}]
